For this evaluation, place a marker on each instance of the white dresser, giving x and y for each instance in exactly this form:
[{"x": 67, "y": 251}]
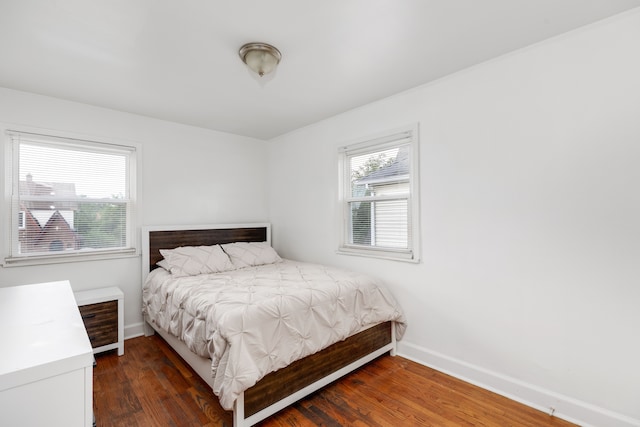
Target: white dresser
[{"x": 46, "y": 359}]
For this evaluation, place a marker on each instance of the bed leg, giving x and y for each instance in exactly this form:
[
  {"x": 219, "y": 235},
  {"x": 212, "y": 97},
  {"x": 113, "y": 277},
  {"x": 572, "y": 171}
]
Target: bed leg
[
  {"x": 238, "y": 411},
  {"x": 393, "y": 350},
  {"x": 148, "y": 330}
]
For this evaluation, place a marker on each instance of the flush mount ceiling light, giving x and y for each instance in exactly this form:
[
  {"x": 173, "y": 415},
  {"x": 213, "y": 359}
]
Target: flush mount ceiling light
[{"x": 260, "y": 57}]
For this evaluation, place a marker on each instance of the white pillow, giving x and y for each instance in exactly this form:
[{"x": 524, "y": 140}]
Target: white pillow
[
  {"x": 194, "y": 260},
  {"x": 246, "y": 254}
]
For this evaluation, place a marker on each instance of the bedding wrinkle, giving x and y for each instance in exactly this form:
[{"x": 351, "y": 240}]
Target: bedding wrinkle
[{"x": 254, "y": 320}]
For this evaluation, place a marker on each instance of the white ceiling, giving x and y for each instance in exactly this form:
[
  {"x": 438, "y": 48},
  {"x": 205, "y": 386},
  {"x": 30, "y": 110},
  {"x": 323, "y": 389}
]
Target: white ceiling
[{"x": 178, "y": 60}]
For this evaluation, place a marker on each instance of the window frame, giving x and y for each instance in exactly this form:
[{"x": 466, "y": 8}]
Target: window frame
[
  {"x": 11, "y": 244},
  {"x": 404, "y": 136}
]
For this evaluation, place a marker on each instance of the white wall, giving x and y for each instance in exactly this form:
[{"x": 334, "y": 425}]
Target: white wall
[
  {"x": 530, "y": 192},
  {"x": 189, "y": 176}
]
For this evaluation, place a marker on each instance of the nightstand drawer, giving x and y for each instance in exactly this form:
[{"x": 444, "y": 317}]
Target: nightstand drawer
[{"x": 101, "y": 322}]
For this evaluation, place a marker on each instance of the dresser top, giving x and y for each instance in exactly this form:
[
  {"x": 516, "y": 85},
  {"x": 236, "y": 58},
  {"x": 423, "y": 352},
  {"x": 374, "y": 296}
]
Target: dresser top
[{"x": 42, "y": 333}]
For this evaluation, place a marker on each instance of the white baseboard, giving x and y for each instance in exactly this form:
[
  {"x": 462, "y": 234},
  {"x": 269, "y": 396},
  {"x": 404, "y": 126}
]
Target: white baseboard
[
  {"x": 561, "y": 406},
  {"x": 132, "y": 331}
]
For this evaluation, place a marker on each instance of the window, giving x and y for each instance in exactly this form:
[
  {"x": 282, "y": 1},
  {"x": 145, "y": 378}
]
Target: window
[
  {"x": 69, "y": 198},
  {"x": 379, "y": 196}
]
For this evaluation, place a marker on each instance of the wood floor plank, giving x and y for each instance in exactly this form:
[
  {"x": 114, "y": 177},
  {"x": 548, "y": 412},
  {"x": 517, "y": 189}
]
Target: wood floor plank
[{"x": 151, "y": 386}]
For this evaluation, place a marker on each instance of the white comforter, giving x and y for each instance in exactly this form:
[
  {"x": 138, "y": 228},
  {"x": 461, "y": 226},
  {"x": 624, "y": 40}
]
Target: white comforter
[{"x": 256, "y": 320}]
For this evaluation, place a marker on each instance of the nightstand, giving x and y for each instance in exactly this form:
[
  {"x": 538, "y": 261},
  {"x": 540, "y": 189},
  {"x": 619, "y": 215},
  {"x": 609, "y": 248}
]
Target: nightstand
[{"x": 102, "y": 312}]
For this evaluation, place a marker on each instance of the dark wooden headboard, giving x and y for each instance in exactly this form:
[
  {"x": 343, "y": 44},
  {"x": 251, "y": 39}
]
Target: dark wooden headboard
[{"x": 169, "y": 237}]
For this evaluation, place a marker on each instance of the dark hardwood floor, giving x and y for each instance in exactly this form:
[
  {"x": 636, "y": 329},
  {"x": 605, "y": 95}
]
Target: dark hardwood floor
[{"x": 151, "y": 386}]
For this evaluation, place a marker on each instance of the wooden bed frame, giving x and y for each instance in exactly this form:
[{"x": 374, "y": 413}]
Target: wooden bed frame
[{"x": 279, "y": 389}]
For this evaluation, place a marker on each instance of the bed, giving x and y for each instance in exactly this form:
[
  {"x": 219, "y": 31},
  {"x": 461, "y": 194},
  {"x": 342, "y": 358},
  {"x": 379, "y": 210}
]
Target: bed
[{"x": 256, "y": 389}]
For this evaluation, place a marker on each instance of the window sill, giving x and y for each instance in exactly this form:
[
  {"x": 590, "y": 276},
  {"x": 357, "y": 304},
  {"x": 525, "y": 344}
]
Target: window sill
[
  {"x": 59, "y": 259},
  {"x": 404, "y": 256}
]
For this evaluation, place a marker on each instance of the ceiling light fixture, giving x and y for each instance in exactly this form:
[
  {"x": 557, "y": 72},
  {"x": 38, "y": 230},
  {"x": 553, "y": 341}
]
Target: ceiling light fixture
[{"x": 260, "y": 57}]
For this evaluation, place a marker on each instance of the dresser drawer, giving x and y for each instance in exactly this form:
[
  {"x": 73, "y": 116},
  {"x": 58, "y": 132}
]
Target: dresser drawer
[{"x": 101, "y": 322}]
